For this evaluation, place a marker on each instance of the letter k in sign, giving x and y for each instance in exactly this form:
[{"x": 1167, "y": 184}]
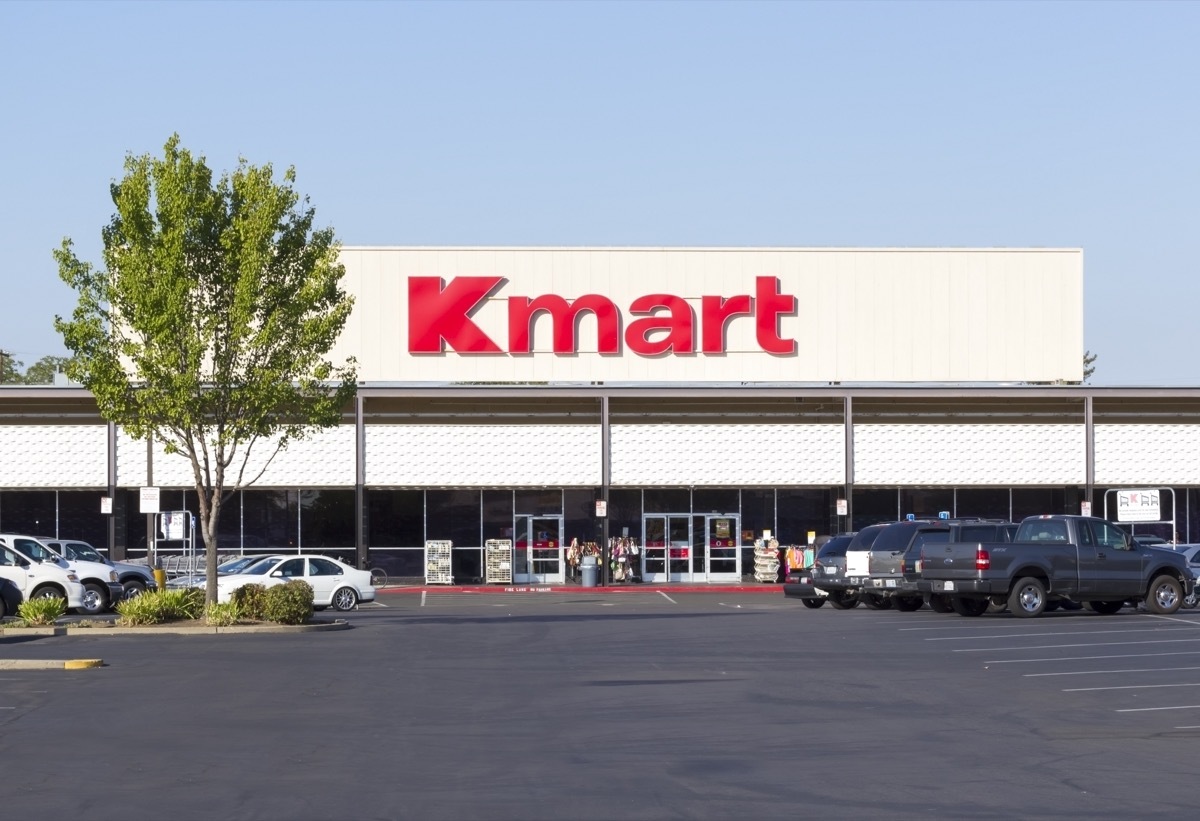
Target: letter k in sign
[{"x": 440, "y": 314}]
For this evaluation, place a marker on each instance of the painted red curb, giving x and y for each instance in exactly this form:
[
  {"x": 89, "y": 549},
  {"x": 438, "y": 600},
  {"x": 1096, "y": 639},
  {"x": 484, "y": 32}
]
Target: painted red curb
[{"x": 669, "y": 589}]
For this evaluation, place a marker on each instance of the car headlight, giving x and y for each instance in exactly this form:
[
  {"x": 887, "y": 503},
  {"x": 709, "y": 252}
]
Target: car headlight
[
  {"x": 113, "y": 577},
  {"x": 72, "y": 577}
]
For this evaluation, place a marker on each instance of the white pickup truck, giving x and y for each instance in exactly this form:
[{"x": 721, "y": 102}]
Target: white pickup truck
[{"x": 40, "y": 580}]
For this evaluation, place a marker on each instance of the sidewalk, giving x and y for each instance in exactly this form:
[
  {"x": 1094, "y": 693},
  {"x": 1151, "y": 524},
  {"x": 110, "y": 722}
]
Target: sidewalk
[{"x": 665, "y": 588}]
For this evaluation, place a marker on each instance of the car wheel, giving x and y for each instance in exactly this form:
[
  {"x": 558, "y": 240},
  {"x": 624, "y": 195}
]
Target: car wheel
[
  {"x": 133, "y": 589},
  {"x": 344, "y": 598},
  {"x": 907, "y": 604},
  {"x": 95, "y": 599},
  {"x": 878, "y": 602},
  {"x": 47, "y": 593},
  {"x": 1105, "y": 608},
  {"x": 940, "y": 603},
  {"x": 813, "y": 604},
  {"x": 1190, "y": 602},
  {"x": 842, "y": 600},
  {"x": 1028, "y": 598},
  {"x": 969, "y": 607},
  {"x": 1166, "y": 595}
]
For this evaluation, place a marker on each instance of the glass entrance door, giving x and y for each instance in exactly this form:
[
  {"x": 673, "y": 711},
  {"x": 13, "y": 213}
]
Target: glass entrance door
[
  {"x": 723, "y": 559},
  {"x": 538, "y": 550},
  {"x": 667, "y": 548}
]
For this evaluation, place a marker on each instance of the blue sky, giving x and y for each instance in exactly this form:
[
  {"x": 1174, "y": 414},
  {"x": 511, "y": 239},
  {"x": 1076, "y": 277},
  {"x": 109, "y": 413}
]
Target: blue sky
[{"x": 875, "y": 124}]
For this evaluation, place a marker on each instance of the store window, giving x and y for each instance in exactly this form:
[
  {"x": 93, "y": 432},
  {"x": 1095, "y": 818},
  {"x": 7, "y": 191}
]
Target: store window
[
  {"x": 799, "y": 512},
  {"x": 539, "y": 502},
  {"x": 79, "y": 517},
  {"x": 926, "y": 503},
  {"x": 271, "y": 519},
  {"x": 983, "y": 502},
  {"x": 716, "y": 500},
  {"x": 326, "y": 519},
  {"x": 579, "y": 515},
  {"x": 625, "y": 513},
  {"x": 396, "y": 518},
  {"x": 758, "y": 514},
  {"x": 455, "y": 515},
  {"x": 497, "y": 514},
  {"x": 872, "y": 505},
  {"x": 1033, "y": 501},
  {"x": 666, "y": 500},
  {"x": 28, "y": 511}
]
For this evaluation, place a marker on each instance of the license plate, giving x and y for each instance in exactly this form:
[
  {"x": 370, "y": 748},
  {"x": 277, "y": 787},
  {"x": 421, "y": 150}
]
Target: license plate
[
  {"x": 890, "y": 583},
  {"x": 831, "y": 571},
  {"x": 945, "y": 585}
]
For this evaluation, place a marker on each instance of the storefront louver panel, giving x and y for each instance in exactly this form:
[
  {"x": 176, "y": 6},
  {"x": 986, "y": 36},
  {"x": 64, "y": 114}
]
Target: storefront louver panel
[
  {"x": 324, "y": 459},
  {"x": 715, "y": 455},
  {"x": 1147, "y": 454},
  {"x": 483, "y": 455},
  {"x": 54, "y": 456},
  {"x": 970, "y": 454}
]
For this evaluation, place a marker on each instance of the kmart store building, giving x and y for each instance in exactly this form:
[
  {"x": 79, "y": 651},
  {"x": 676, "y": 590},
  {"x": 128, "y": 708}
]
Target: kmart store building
[{"x": 681, "y": 399}]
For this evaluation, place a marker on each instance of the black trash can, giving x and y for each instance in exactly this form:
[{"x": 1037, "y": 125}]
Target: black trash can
[{"x": 590, "y": 571}]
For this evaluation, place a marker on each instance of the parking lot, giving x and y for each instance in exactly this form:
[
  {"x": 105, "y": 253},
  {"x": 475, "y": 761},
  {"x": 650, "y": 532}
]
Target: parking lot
[{"x": 605, "y": 705}]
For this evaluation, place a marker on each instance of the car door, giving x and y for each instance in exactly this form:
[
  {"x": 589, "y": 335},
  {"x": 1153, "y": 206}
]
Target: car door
[
  {"x": 324, "y": 577},
  {"x": 14, "y": 568},
  {"x": 1119, "y": 567}
]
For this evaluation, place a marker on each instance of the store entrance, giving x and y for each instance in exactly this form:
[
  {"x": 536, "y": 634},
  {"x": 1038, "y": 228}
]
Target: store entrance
[
  {"x": 691, "y": 548},
  {"x": 724, "y": 557},
  {"x": 538, "y": 550}
]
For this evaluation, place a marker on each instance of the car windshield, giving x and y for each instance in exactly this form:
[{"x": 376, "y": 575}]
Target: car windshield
[
  {"x": 82, "y": 551},
  {"x": 263, "y": 567},
  {"x": 835, "y": 547},
  {"x": 35, "y": 550},
  {"x": 866, "y": 537},
  {"x": 237, "y": 565}
]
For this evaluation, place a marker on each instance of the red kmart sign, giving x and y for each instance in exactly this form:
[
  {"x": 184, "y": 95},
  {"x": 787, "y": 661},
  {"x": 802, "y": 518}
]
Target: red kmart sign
[{"x": 442, "y": 316}]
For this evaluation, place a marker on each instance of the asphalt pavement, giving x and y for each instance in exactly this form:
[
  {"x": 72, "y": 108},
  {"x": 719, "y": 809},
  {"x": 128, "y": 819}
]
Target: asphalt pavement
[{"x": 585, "y": 705}]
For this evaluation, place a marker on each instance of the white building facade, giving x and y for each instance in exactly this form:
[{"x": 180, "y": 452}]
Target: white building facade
[{"x": 682, "y": 402}]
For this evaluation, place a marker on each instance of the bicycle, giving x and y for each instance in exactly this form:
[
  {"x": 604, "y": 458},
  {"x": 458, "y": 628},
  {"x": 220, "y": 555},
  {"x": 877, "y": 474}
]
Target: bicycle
[{"x": 379, "y": 577}]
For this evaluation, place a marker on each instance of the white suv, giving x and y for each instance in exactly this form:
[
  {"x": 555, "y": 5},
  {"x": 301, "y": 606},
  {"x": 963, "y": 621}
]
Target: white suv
[
  {"x": 102, "y": 586},
  {"x": 40, "y": 580}
]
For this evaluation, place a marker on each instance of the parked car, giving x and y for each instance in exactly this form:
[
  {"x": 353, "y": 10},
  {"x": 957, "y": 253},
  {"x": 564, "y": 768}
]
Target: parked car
[
  {"x": 135, "y": 579},
  {"x": 238, "y": 564},
  {"x": 334, "y": 583},
  {"x": 10, "y": 597},
  {"x": 831, "y": 577},
  {"x": 1191, "y": 552},
  {"x": 40, "y": 580},
  {"x": 800, "y": 584},
  {"x": 102, "y": 587}
]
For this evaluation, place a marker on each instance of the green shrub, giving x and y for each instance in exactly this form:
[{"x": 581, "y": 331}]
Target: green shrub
[
  {"x": 221, "y": 614},
  {"x": 158, "y": 606},
  {"x": 250, "y": 600},
  {"x": 290, "y": 603},
  {"x": 39, "y": 612}
]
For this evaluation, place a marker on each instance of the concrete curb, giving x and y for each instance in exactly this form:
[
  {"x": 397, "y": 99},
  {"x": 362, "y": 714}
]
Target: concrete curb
[
  {"x": 48, "y": 664},
  {"x": 173, "y": 630}
]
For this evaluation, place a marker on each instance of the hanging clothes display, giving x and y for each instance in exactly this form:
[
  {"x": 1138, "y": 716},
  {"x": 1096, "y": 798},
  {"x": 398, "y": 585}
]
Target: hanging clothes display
[{"x": 623, "y": 553}]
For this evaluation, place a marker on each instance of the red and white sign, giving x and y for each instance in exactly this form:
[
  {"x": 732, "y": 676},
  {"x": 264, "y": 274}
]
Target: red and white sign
[{"x": 440, "y": 315}]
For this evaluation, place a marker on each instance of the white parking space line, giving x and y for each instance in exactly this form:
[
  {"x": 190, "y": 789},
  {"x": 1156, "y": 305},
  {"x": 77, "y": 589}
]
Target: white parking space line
[
  {"x": 1092, "y": 658},
  {"x": 422, "y": 598},
  {"x": 1125, "y": 687},
  {"x": 1063, "y": 633},
  {"x": 1158, "y": 709},
  {"x": 668, "y": 598},
  {"x": 1108, "y": 672},
  {"x": 1065, "y": 646}
]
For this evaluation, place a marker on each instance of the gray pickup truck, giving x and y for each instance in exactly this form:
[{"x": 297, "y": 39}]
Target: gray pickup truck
[{"x": 1062, "y": 558}]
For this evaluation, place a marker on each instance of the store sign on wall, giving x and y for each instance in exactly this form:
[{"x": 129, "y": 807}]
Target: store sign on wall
[
  {"x": 1138, "y": 506},
  {"x": 441, "y": 314}
]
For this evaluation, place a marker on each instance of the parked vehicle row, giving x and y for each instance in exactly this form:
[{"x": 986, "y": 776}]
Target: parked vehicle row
[
  {"x": 334, "y": 583},
  {"x": 968, "y": 566}
]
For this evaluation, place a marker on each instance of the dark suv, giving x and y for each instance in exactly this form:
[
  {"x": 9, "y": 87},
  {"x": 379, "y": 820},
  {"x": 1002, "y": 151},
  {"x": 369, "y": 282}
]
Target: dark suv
[{"x": 831, "y": 555}]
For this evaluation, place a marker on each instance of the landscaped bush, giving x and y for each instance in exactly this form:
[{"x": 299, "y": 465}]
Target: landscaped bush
[
  {"x": 221, "y": 615},
  {"x": 157, "y": 606},
  {"x": 250, "y": 600},
  {"x": 40, "y": 612},
  {"x": 290, "y": 603}
]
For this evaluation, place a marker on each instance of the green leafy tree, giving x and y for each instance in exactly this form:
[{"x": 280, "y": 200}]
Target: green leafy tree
[
  {"x": 10, "y": 368},
  {"x": 43, "y": 371},
  {"x": 209, "y": 326}
]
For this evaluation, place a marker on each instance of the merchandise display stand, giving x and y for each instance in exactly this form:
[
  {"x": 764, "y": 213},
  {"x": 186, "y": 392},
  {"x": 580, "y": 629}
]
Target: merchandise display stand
[
  {"x": 766, "y": 560},
  {"x": 498, "y": 561},
  {"x": 437, "y": 562}
]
